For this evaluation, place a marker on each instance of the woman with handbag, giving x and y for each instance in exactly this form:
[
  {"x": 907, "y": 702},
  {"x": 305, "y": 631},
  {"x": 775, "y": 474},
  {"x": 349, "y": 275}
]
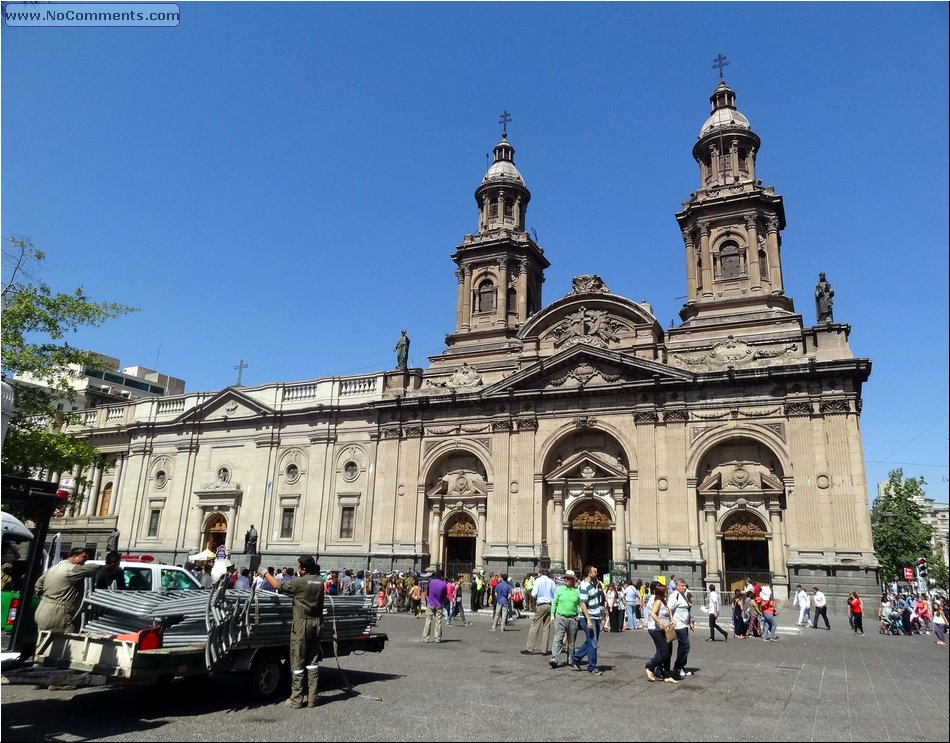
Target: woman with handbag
[{"x": 660, "y": 626}]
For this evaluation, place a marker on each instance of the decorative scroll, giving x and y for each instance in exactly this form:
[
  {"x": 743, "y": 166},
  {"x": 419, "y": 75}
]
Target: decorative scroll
[
  {"x": 465, "y": 377},
  {"x": 527, "y": 424},
  {"x": 798, "y": 408},
  {"x": 391, "y": 433},
  {"x": 585, "y": 422},
  {"x": 412, "y": 431},
  {"x": 758, "y": 413},
  {"x": 474, "y": 429},
  {"x": 676, "y": 416},
  {"x": 834, "y": 406},
  {"x": 647, "y": 417},
  {"x": 711, "y": 416},
  {"x": 451, "y": 431},
  {"x": 587, "y": 284},
  {"x": 501, "y": 425}
]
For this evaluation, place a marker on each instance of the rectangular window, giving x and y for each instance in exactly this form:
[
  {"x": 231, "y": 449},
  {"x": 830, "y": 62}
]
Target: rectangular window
[
  {"x": 153, "y": 518},
  {"x": 347, "y": 517},
  {"x": 287, "y": 523}
]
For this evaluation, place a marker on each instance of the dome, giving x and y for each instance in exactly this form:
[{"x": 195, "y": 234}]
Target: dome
[
  {"x": 724, "y": 117},
  {"x": 503, "y": 170}
]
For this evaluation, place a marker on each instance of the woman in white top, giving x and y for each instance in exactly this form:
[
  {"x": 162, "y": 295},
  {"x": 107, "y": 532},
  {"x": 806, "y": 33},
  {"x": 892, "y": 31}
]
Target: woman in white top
[{"x": 659, "y": 619}]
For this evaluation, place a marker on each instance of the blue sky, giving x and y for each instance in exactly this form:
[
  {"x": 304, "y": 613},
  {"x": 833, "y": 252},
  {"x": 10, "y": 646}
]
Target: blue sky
[{"x": 285, "y": 183}]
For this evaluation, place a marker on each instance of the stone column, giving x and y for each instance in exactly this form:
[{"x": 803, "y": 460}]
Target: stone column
[
  {"x": 522, "y": 290},
  {"x": 752, "y": 238},
  {"x": 559, "y": 542},
  {"x": 706, "y": 256},
  {"x": 775, "y": 267},
  {"x": 482, "y": 509},
  {"x": 502, "y": 318},
  {"x": 434, "y": 547},
  {"x": 777, "y": 556},
  {"x": 710, "y": 541},
  {"x": 467, "y": 299},
  {"x": 690, "y": 266},
  {"x": 460, "y": 303},
  {"x": 117, "y": 484},
  {"x": 516, "y": 213},
  {"x": 620, "y": 534}
]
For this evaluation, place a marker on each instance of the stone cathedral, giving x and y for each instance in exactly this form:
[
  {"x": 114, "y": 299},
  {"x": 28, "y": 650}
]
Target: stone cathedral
[{"x": 561, "y": 434}]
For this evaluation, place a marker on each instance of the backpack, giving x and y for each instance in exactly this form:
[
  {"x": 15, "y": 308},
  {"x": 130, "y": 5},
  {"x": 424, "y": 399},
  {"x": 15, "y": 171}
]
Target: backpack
[{"x": 516, "y": 596}]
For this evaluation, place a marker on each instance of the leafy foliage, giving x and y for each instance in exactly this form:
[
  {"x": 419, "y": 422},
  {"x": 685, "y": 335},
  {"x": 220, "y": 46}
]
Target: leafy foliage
[
  {"x": 900, "y": 537},
  {"x": 35, "y": 321}
]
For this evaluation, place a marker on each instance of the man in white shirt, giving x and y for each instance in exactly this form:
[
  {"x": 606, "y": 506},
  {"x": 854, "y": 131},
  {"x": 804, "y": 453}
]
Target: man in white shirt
[
  {"x": 821, "y": 609},
  {"x": 631, "y": 598},
  {"x": 679, "y": 608},
  {"x": 712, "y": 603},
  {"x": 803, "y": 600},
  {"x": 542, "y": 592}
]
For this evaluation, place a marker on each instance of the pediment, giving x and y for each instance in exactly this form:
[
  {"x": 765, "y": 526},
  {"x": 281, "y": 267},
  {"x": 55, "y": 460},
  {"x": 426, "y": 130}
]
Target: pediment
[
  {"x": 586, "y": 466},
  {"x": 591, "y": 316},
  {"x": 740, "y": 477},
  {"x": 588, "y": 367},
  {"x": 229, "y": 404}
]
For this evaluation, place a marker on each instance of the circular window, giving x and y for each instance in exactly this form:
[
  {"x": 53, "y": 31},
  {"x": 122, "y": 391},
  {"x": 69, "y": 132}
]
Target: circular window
[
  {"x": 350, "y": 471},
  {"x": 292, "y": 473},
  {"x": 224, "y": 474},
  {"x": 160, "y": 479}
]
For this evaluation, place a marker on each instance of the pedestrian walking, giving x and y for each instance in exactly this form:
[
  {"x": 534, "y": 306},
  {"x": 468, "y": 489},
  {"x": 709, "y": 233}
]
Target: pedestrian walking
[
  {"x": 542, "y": 595},
  {"x": 679, "y": 607},
  {"x": 712, "y": 603},
  {"x": 564, "y": 610}
]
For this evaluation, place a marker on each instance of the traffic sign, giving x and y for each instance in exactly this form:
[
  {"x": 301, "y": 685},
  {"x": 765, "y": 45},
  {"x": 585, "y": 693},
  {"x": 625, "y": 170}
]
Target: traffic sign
[{"x": 908, "y": 573}]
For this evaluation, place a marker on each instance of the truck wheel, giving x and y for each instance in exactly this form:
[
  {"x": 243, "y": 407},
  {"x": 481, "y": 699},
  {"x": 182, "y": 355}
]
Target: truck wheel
[{"x": 266, "y": 677}]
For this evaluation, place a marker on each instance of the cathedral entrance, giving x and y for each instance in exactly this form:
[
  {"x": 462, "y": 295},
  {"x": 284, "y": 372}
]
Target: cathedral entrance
[
  {"x": 745, "y": 551},
  {"x": 216, "y": 531},
  {"x": 459, "y": 550},
  {"x": 590, "y": 539}
]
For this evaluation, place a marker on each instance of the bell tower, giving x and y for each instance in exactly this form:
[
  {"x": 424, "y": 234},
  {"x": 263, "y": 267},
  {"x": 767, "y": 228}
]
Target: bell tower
[
  {"x": 500, "y": 267},
  {"x": 732, "y": 224}
]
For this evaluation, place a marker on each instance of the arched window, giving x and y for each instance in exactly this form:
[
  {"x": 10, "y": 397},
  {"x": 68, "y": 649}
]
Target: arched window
[
  {"x": 731, "y": 261},
  {"x": 485, "y": 298},
  {"x": 512, "y": 301},
  {"x": 763, "y": 265},
  {"x": 509, "y": 207}
]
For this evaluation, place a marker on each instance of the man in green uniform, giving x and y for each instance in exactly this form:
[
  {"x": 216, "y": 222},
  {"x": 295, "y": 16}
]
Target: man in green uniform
[
  {"x": 306, "y": 590},
  {"x": 60, "y": 589}
]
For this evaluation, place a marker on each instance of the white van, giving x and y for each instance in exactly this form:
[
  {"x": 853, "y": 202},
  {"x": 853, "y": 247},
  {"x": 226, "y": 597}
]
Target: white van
[{"x": 142, "y": 574}]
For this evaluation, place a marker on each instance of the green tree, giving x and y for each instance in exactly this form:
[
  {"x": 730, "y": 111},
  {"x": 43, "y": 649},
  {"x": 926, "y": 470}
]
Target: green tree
[
  {"x": 900, "y": 537},
  {"x": 35, "y": 322}
]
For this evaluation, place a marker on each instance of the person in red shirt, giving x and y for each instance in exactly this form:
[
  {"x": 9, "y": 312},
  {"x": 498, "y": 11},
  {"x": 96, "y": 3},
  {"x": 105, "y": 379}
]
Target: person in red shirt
[
  {"x": 923, "y": 613},
  {"x": 857, "y": 614}
]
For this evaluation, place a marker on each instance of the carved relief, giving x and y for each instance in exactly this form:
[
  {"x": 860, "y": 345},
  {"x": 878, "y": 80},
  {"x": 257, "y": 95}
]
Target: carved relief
[
  {"x": 583, "y": 373},
  {"x": 585, "y": 422},
  {"x": 474, "y": 429},
  {"x": 527, "y": 424},
  {"x": 777, "y": 428},
  {"x": 464, "y": 377},
  {"x": 834, "y": 406},
  {"x": 501, "y": 425},
  {"x": 462, "y": 528},
  {"x": 743, "y": 527},
  {"x": 593, "y": 327},
  {"x": 732, "y": 352},
  {"x": 452, "y": 430},
  {"x": 592, "y": 519},
  {"x": 412, "y": 431},
  {"x": 646, "y": 417},
  {"x": 758, "y": 413},
  {"x": 391, "y": 432}
]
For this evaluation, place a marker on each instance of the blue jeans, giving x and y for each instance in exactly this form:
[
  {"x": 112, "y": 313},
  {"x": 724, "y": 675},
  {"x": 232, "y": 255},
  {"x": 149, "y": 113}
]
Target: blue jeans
[
  {"x": 682, "y": 650},
  {"x": 768, "y": 620},
  {"x": 589, "y": 648},
  {"x": 631, "y": 617}
]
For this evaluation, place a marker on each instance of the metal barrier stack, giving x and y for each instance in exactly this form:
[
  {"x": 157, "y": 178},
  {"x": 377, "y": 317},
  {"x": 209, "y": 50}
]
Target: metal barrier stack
[{"x": 223, "y": 620}]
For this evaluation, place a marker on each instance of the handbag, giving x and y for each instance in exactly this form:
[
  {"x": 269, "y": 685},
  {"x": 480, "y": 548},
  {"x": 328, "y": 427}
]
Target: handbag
[{"x": 670, "y": 633}]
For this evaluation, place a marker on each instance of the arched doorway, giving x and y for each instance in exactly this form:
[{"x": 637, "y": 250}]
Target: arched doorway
[
  {"x": 216, "y": 531},
  {"x": 590, "y": 537},
  {"x": 106, "y": 500},
  {"x": 459, "y": 550},
  {"x": 745, "y": 550}
]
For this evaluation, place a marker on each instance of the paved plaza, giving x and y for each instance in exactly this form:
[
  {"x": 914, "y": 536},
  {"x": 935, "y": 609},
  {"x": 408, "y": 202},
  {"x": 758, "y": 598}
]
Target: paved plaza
[{"x": 475, "y": 685}]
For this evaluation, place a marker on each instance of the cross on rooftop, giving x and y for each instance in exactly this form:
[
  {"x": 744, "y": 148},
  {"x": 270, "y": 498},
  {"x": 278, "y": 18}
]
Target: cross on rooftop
[
  {"x": 505, "y": 118},
  {"x": 240, "y": 366},
  {"x": 720, "y": 62}
]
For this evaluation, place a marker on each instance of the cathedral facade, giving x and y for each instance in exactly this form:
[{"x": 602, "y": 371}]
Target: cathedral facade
[{"x": 562, "y": 434}]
